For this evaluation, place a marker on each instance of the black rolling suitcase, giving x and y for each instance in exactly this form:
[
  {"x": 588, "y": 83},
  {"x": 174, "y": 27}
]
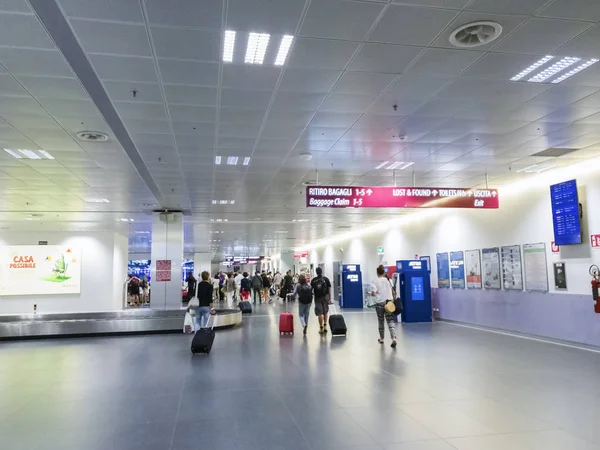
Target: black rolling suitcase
[
  {"x": 204, "y": 338},
  {"x": 337, "y": 324},
  {"x": 246, "y": 307}
]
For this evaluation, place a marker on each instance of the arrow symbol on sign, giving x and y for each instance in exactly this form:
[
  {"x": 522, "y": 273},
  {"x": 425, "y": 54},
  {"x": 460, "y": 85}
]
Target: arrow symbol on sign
[
  {"x": 369, "y": 192},
  {"x": 434, "y": 192},
  {"x": 494, "y": 194}
]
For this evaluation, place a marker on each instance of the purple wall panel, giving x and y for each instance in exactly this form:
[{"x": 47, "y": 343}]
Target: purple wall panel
[{"x": 560, "y": 316}]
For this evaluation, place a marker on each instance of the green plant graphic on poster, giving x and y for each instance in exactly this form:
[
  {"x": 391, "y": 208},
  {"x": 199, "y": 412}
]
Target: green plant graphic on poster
[{"x": 60, "y": 265}]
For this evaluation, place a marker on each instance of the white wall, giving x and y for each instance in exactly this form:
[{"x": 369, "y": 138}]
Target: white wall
[
  {"x": 103, "y": 273},
  {"x": 524, "y": 217}
]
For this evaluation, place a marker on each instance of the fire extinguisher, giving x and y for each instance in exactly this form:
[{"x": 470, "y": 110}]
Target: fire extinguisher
[{"x": 595, "y": 273}]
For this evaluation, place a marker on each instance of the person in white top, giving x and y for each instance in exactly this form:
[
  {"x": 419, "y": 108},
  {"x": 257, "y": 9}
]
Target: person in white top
[
  {"x": 238, "y": 282},
  {"x": 381, "y": 288}
]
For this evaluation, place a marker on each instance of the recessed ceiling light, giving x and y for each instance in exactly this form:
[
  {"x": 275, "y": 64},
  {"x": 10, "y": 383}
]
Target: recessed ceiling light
[
  {"x": 280, "y": 231},
  {"x": 124, "y": 219},
  {"x": 383, "y": 164},
  {"x": 257, "y": 47},
  {"x": 232, "y": 202},
  {"x": 232, "y": 160},
  {"x": 305, "y": 156},
  {"x": 532, "y": 67},
  {"x": 577, "y": 69},
  {"x": 400, "y": 165},
  {"x": 555, "y": 68},
  {"x": 13, "y": 154},
  {"x": 537, "y": 168},
  {"x": 284, "y": 48},
  {"x": 228, "y": 46},
  {"x": 214, "y": 202},
  {"x": 217, "y": 160},
  {"x": 223, "y": 202},
  {"x": 96, "y": 200},
  {"x": 246, "y": 160}
]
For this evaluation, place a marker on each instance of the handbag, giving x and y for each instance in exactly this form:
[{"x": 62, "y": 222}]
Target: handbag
[
  {"x": 194, "y": 303},
  {"x": 390, "y": 308},
  {"x": 370, "y": 301},
  {"x": 398, "y": 306},
  {"x": 188, "y": 324}
]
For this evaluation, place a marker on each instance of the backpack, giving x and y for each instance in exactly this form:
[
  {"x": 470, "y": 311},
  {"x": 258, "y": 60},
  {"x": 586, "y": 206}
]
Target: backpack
[
  {"x": 257, "y": 282},
  {"x": 320, "y": 286},
  {"x": 305, "y": 294},
  {"x": 135, "y": 282}
]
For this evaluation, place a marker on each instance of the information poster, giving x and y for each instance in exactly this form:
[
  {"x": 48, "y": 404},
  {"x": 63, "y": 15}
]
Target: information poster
[
  {"x": 443, "y": 269},
  {"x": 512, "y": 270},
  {"x": 491, "y": 267},
  {"x": 457, "y": 269},
  {"x": 163, "y": 270},
  {"x": 39, "y": 270},
  {"x": 536, "y": 272},
  {"x": 427, "y": 260},
  {"x": 473, "y": 269},
  {"x": 560, "y": 276}
]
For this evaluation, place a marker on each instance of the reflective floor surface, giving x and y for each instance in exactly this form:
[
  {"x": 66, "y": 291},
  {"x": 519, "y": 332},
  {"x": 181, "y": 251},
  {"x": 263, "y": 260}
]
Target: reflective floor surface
[{"x": 445, "y": 387}]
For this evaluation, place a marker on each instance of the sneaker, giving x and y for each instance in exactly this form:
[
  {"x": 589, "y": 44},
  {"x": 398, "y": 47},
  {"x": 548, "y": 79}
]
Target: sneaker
[
  {"x": 324, "y": 330},
  {"x": 321, "y": 331},
  {"x": 304, "y": 330},
  {"x": 380, "y": 340},
  {"x": 394, "y": 343}
]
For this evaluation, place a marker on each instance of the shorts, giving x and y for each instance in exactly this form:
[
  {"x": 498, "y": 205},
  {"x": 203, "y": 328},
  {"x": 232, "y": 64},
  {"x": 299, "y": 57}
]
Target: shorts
[
  {"x": 321, "y": 306},
  {"x": 245, "y": 294}
]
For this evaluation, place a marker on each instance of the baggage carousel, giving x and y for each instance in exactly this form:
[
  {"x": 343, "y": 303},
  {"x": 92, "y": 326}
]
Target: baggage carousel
[{"x": 139, "y": 321}]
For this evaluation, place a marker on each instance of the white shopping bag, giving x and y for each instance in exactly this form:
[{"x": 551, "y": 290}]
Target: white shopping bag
[{"x": 188, "y": 324}]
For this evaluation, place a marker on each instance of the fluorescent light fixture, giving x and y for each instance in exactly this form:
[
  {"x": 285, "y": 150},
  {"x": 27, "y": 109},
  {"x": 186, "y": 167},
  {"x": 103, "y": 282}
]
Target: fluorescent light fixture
[
  {"x": 219, "y": 220},
  {"x": 29, "y": 154},
  {"x": 554, "y": 69},
  {"x": 124, "y": 219},
  {"x": 408, "y": 164},
  {"x": 217, "y": 160},
  {"x": 532, "y": 67},
  {"x": 246, "y": 160},
  {"x": 280, "y": 231},
  {"x": 577, "y": 69},
  {"x": 232, "y": 160},
  {"x": 45, "y": 154},
  {"x": 284, "y": 48},
  {"x": 232, "y": 202},
  {"x": 97, "y": 200},
  {"x": 214, "y": 202},
  {"x": 537, "y": 168},
  {"x": 228, "y": 46},
  {"x": 394, "y": 165},
  {"x": 257, "y": 47},
  {"x": 13, "y": 154},
  {"x": 300, "y": 220},
  {"x": 382, "y": 165},
  {"x": 223, "y": 202}
]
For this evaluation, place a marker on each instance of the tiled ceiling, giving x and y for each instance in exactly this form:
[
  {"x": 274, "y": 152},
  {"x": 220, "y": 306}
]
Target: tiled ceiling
[{"x": 149, "y": 74}]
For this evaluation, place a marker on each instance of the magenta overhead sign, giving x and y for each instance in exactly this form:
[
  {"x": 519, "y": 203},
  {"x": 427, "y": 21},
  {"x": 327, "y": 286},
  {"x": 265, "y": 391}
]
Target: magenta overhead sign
[{"x": 400, "y": 197}]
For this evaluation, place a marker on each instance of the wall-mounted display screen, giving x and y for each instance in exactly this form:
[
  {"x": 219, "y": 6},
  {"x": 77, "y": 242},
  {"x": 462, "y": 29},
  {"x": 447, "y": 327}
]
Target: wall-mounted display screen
[
  {"x": 39, "y": 270},
  {"x": 565, "y": 213}
]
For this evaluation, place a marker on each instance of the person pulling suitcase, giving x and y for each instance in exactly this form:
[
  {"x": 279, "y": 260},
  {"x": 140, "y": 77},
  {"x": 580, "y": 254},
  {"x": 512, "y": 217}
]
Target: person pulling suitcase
[{"x": 322, "y": 289}]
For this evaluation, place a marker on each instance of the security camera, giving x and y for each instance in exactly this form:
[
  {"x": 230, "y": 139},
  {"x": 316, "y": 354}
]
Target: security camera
[{"x": 395, "y": 107}]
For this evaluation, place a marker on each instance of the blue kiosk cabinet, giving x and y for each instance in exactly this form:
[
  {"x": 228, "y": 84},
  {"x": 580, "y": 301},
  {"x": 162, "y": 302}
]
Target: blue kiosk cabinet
[
  {"x": 352, "y": 292},
  {"x": 415, "y": 290}
]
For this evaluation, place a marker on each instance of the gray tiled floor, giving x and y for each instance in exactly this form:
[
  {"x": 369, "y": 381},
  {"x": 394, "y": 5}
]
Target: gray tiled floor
[{"x": 444, "y": 387}]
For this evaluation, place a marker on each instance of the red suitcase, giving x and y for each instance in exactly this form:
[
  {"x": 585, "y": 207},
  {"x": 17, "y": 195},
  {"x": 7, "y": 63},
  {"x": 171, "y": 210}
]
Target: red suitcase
[{"x": 286, "y": 323}]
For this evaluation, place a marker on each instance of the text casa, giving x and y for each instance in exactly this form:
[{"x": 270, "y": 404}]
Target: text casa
[{"x": 22, "y": 262}]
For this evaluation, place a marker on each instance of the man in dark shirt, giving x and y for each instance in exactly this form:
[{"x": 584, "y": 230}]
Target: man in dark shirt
[
  {"x": 205, "y": 297},
  {"x": 322, "y": 290}
]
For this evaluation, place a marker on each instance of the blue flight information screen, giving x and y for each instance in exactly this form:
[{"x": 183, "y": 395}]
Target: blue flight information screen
[{"x": 565, "y": 213}]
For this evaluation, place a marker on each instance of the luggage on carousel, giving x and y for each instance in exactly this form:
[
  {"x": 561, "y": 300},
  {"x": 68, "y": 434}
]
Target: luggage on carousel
[
  {"x": 286, "y": 323},
  {"x": 337, "y": 324},
  {"x": 204, "y": 338},
  {"x": 246, "y": 307}
]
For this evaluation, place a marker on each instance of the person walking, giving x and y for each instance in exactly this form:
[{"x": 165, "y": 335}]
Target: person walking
[
  {"x": 191, "y": 287},
  {"x": 222, "y": 279},
  {"x": 322, "y": 290},
  {"x": 205, "y": 299},
  {"x": 229, "y": 287},
  {"x": 238, "y": 285},
  {"x": 277, "y": 280},
  {"x": 381, "y": 289},
  {"x": 245, "y": 288},
  {"x": 215, "y": 284},
  {"x": 266, "y": 289},
  {"x": 305, "y": 294},
  {"x": 256, "y": 287}
]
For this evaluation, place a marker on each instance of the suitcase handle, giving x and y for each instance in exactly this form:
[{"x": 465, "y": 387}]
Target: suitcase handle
[{"x": 214, "y": 321}]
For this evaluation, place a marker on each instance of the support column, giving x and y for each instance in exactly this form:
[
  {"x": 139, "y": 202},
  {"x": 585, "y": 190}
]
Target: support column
[
  {"x": 166, "y": 250},
  {"x": 202, "y": 263}
]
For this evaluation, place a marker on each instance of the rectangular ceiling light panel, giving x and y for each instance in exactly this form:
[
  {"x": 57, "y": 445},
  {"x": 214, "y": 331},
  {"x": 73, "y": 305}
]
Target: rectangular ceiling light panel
[
  {"x": 232, "y": 160},
  {"x": 228, "y": 46},
  {"x": 217, "y": 160},
  {"x": 257, "y": 47},
  {"x": 284, "y": 49},
  {"x": 246, "y": 160},
  {"x": 532, "y": 67},
  {"x": 553, "y": 69},
  {"x": 29, "y": 154},
  {"x": 13, "y": 154}
]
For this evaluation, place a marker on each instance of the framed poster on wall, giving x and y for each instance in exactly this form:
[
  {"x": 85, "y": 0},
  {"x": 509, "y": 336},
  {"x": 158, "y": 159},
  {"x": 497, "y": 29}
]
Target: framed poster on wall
[
  {"x": 39, "y": 270},
  {"x": 490, "y": 258},
  {"x": 443, "y": 269},
  {"x": 473, "y": 269},
  {"x": 536, "y": 272},
  {"x": 512, "y": 268},
  {"x": 427, "y": 260},
  {"x": 457, "y": 269},
  {"x": 560, "y": 276}
]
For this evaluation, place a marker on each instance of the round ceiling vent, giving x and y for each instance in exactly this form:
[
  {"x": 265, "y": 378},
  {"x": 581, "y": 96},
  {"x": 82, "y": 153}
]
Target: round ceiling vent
[
  {"x": 475, "y": 34},
  {"x": 92, "y": 136},
  {"x": 309, "y": 182}
]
